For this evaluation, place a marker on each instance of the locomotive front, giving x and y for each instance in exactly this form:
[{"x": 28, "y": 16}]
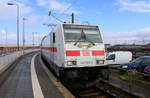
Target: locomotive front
[{"x": 84, "y": 55}]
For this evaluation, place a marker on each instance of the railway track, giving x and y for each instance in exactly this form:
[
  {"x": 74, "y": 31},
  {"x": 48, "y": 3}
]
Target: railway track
[
  {"x": 92, "y": 92},
  {"x": 117, "y": 91},
  {"x": 104, "y": 89}
]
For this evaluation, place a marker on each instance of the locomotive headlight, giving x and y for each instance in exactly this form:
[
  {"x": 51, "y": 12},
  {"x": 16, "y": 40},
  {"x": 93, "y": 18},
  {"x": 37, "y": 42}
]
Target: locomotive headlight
[
  {"x": 80, "y": 45},
  {"x": 90, "y": 45},
  {"x": 99, "y": 61},
  {"x": 69, "y": 63}
]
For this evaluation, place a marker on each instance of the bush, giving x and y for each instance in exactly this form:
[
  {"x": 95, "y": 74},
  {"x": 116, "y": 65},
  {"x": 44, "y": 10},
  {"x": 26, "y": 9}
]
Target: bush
[{"x": 133, "y": 76}]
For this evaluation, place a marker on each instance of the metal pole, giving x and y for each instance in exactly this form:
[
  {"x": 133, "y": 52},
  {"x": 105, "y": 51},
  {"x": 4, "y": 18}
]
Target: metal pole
[
  {"x": 6, "y": 38},
  {"x": 17, "y": 26},
  {"x": 23, "y": 33},
  {"x": 17, "y": 23},
  {"x": 23, "y": 36},
  {"x": 72, "y": 18},
  {"x": 33, "y": 39}
]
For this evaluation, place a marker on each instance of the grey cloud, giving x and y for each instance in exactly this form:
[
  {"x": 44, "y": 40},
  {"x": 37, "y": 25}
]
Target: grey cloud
[{"x": 128, "y": 36}]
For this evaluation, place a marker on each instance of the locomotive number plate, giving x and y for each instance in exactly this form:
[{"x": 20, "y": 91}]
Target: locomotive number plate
[{"x": 86, "y": 63}]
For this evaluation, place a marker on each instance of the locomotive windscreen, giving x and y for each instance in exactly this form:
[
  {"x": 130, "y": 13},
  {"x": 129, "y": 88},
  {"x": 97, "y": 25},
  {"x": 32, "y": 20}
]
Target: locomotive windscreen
[{"x": 80, "y": 33}]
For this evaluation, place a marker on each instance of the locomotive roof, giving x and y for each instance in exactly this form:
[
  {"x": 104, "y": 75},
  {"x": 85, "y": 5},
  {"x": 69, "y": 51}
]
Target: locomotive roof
[
  {"x": 78, "y": 24},
  {"x": 75, "y": 26}
]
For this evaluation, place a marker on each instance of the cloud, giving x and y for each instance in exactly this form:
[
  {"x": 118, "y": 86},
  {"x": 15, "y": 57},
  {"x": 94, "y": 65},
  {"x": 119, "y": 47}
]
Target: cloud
[
  {"x": 3, "y": 32},
  {"x": 9, "y": 12},
  {"x": 12, "y": 38},
  {"x": 130, "y": 37},
  {"x": 42, "y": 2},
  {"x": 37, "y": 38},
  {"x": 33, "y": 20},
  {"x": 57, "y": 6},
  {"x": 8, "y": 15},
  {"x": 134, "y": 6}
]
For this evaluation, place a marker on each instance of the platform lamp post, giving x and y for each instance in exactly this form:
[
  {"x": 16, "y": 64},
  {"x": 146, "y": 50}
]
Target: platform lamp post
[
  {"x": 23, "y": 39},
  {"x": 17, "y": 22},
  {"x": 33, "y": 38},
  {"x": 33, "y": 33}
]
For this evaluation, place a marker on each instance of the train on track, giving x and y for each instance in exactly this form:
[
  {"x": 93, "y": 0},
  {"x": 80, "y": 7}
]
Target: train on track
[{"x": 76, "y": 54}]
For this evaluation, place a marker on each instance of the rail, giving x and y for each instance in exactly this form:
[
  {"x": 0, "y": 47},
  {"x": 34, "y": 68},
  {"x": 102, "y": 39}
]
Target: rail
[
  {"x": 92, "y": 92},
  {"x": 116, "y": 90}
]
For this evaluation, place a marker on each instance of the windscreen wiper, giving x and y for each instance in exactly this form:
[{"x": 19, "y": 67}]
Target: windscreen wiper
[
  {"x": 83, "y": 36},
  {"x": 90, "y": 41}
]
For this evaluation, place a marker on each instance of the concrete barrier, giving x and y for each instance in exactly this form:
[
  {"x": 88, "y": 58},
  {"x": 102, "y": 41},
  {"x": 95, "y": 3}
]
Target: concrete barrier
[{"x": 6, "y": 60}]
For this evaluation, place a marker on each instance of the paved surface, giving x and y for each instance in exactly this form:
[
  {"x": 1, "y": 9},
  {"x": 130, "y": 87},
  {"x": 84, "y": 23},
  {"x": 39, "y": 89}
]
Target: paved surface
[
  {"x": 16, "y": 82},
  {"x": 114, "y": 78},
  {"x": 48, "y": 88}
]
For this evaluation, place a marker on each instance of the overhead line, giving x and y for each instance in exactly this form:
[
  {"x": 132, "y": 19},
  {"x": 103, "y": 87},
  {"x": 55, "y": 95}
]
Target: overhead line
[
  {"x": 50, "y": 14},
  {"x": 69, "y": 7}
]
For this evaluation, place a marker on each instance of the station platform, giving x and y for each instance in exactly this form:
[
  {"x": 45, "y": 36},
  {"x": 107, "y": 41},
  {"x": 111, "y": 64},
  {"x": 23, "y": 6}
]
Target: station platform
[{"x": 27, "y": 78}]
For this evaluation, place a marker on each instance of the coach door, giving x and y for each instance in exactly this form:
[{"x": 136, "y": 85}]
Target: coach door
[{"x": 53, "y": 47}]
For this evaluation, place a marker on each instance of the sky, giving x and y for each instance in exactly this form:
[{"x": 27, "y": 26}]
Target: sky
[{"x": 120, "y": 21}]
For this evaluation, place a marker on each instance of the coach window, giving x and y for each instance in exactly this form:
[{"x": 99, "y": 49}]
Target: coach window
[{"x": 53, "y": 37}]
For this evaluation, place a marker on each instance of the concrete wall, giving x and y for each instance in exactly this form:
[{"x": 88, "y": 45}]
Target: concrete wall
[{"x": 6, "y": 60}]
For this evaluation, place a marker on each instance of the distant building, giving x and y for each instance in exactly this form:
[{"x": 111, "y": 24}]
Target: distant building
[
  {"x": 132, "y": 47},
  {"x": 107, "y": 46}
]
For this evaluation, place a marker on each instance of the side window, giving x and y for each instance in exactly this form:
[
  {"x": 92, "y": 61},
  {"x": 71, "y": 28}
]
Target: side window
[
  {"x": 53, "y": 37},
  {"x": 146, "y": 61},
  {"x": 111, "y": 57}
]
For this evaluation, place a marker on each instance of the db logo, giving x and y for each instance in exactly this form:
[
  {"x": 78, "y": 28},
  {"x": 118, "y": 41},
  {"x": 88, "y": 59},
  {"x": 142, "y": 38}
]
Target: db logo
[{"x": 85, "y": 53}]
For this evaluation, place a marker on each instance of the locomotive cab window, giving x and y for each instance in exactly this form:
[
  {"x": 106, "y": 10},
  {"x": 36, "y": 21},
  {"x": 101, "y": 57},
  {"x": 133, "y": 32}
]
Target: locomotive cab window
[{"x": 82, "y": 34}]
